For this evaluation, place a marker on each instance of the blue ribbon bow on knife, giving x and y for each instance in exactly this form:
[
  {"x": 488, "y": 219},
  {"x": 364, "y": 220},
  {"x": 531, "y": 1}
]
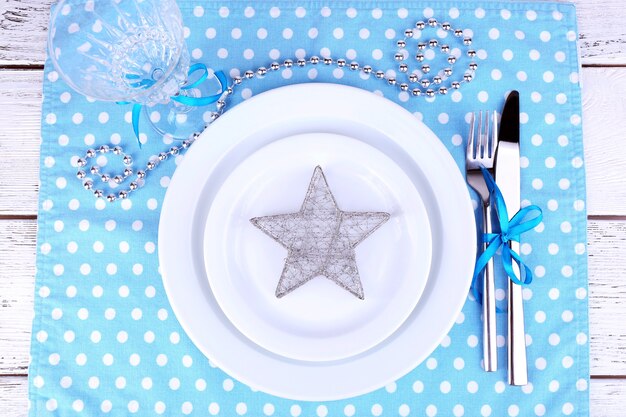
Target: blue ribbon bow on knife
[
  {"x": 510, "y": 230},
  {"x": 186, "y": 100}
]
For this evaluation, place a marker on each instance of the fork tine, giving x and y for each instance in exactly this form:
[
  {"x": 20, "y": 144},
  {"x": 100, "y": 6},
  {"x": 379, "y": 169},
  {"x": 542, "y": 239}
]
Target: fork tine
[
  {"x": 480, "y": 146},
  {"x": 486, "y": 138},
  {"x": 494, "y": 134},
  {"x": 470, "y": 151}
]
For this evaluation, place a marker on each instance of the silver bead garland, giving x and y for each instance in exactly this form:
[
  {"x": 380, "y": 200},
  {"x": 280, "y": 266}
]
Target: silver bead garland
[{"x": 417, "y": 83}]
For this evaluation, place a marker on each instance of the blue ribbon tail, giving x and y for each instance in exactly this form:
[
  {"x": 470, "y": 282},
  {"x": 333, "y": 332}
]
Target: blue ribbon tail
[{"x": 136, "y": 115}]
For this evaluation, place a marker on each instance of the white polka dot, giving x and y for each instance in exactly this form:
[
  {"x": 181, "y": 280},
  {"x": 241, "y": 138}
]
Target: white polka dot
[
  {"x": 198, "y": 11},
  {"x": 521, "y": 75},
  {"x": 249, "y": 12},
  {"x": 106, "y": 406},
  {"x": 65, "y": 382},
  {"x": 377, "y": 13},
  {"x": 496, "y": 74},
  {"x": 78, "y": 406},
  {"x": 554, "y": 385},
  {"x": 554, "y": 339},
  {"x": 107, "y": 359},
  {"x": 321, "y": 411},
  {"x": 566, "y": 227},
  {"x": 494, "y": 33},
  {"x": 403, "y": 411},
  {"x": 261, "y": 33},
  {"x": 109, "y": 313},
  {"x": 210, "y": 33},
  {"x": 223, "y": 11},
  {"x": 431, "y": 410},
  {"x": 377, "y": 54},
  {"x": 338, "y": 33},
  {"x": 545, "y": 36},
  {"x": 499, "y": 387},
  {"x": 418, "y": 387},
  {"x": 77, "y": 118},
  {"x": 548, "y": 76},
  {"x": 559, "y": 56},
  {"x": 222, "y": 53},
  {"x": 485, "y": 410},
  {"x": 531, "y": 15},
  {"x": 507, "y": 55},
  {"x": 445, "y": 387},
  {"x": 149, "y": 336},
  {"x": 95, "y": 336},
  {"x": 377, "y": 410}
]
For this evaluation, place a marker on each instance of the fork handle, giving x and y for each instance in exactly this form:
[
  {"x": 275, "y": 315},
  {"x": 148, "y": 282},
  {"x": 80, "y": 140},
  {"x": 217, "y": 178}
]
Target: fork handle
[
  {"x": 490, "y": 349},
  {"x": 518, "y": 369}
]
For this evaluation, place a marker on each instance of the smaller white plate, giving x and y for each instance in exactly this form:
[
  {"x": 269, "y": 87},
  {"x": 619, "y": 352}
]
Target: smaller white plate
[{"x": 319, "y": 321}]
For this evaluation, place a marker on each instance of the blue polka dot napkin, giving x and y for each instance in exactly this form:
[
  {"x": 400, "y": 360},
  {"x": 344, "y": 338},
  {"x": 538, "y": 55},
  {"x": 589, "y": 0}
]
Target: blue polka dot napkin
[{"x": 105, "y": 340}]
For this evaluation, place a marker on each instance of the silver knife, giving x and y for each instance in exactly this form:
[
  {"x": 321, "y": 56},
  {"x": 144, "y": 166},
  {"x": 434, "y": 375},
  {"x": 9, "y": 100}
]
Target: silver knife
[{"x": 508, "y": 180}]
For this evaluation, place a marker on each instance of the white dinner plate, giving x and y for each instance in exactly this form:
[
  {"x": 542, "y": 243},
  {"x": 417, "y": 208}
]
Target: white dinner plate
[
  {"x": 256, "y": 160},
  {"x": 320, "y": 321}
]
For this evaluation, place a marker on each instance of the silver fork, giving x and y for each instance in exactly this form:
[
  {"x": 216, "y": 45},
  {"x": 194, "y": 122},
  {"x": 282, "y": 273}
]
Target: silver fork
[{"x": 481, "y": 150}]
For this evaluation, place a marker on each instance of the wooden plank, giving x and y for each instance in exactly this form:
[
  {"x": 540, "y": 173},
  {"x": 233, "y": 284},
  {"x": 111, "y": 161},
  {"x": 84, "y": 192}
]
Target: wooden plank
[
  {"x": 600, "y": 23},
  {"x": 602, "y": 35},
  {"x": 607, "y": 295},
  {"x": 17, "y": 272},
  {"x": 20, "y": 113},
  {"x": 14, "y": 396},
  {"x": 23, "y": 31},
  {"x": 606, "y": 397},
  {"x": 603, "y": 129}
]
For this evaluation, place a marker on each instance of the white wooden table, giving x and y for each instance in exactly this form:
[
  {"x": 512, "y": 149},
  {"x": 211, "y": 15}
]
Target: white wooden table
[{"x": 23, "y": 28}]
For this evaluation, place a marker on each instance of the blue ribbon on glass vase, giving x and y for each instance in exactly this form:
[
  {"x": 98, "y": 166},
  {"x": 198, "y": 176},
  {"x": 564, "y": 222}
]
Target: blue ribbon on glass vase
[
  {"x": 510, "y": 230},
  {"x": 186, "y": 100}
]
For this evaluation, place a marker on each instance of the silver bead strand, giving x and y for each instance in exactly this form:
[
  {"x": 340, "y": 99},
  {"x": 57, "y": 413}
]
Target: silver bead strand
[{"x": 417, "y": 84}]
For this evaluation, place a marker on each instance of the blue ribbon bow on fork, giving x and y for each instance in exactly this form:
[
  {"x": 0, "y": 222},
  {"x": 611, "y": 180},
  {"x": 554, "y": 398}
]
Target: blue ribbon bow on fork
[{"x": 510, "y": 230}]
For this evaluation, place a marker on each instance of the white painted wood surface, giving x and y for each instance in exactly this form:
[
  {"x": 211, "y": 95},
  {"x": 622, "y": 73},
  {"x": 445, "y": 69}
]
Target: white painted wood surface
[{"x": 23, "y": 26}]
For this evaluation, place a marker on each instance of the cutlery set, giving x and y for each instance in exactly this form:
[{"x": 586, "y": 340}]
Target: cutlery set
[{"x": 498, "y": 152}]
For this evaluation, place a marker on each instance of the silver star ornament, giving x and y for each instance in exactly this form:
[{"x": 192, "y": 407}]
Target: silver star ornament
[{"x": 320, "y": 239}]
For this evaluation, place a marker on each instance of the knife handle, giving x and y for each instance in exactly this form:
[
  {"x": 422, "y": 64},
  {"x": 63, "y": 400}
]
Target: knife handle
[
  {"x": 490, "y": 347},
  {"x": 518, "y": 368}
]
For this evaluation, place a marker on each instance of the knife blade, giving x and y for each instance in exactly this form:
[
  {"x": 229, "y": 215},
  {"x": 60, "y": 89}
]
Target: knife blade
[{"x": 507, "y": 172}]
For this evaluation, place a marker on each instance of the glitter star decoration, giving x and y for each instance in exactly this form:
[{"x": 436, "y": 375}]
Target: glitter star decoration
[{"x": 320, "y": 239}]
